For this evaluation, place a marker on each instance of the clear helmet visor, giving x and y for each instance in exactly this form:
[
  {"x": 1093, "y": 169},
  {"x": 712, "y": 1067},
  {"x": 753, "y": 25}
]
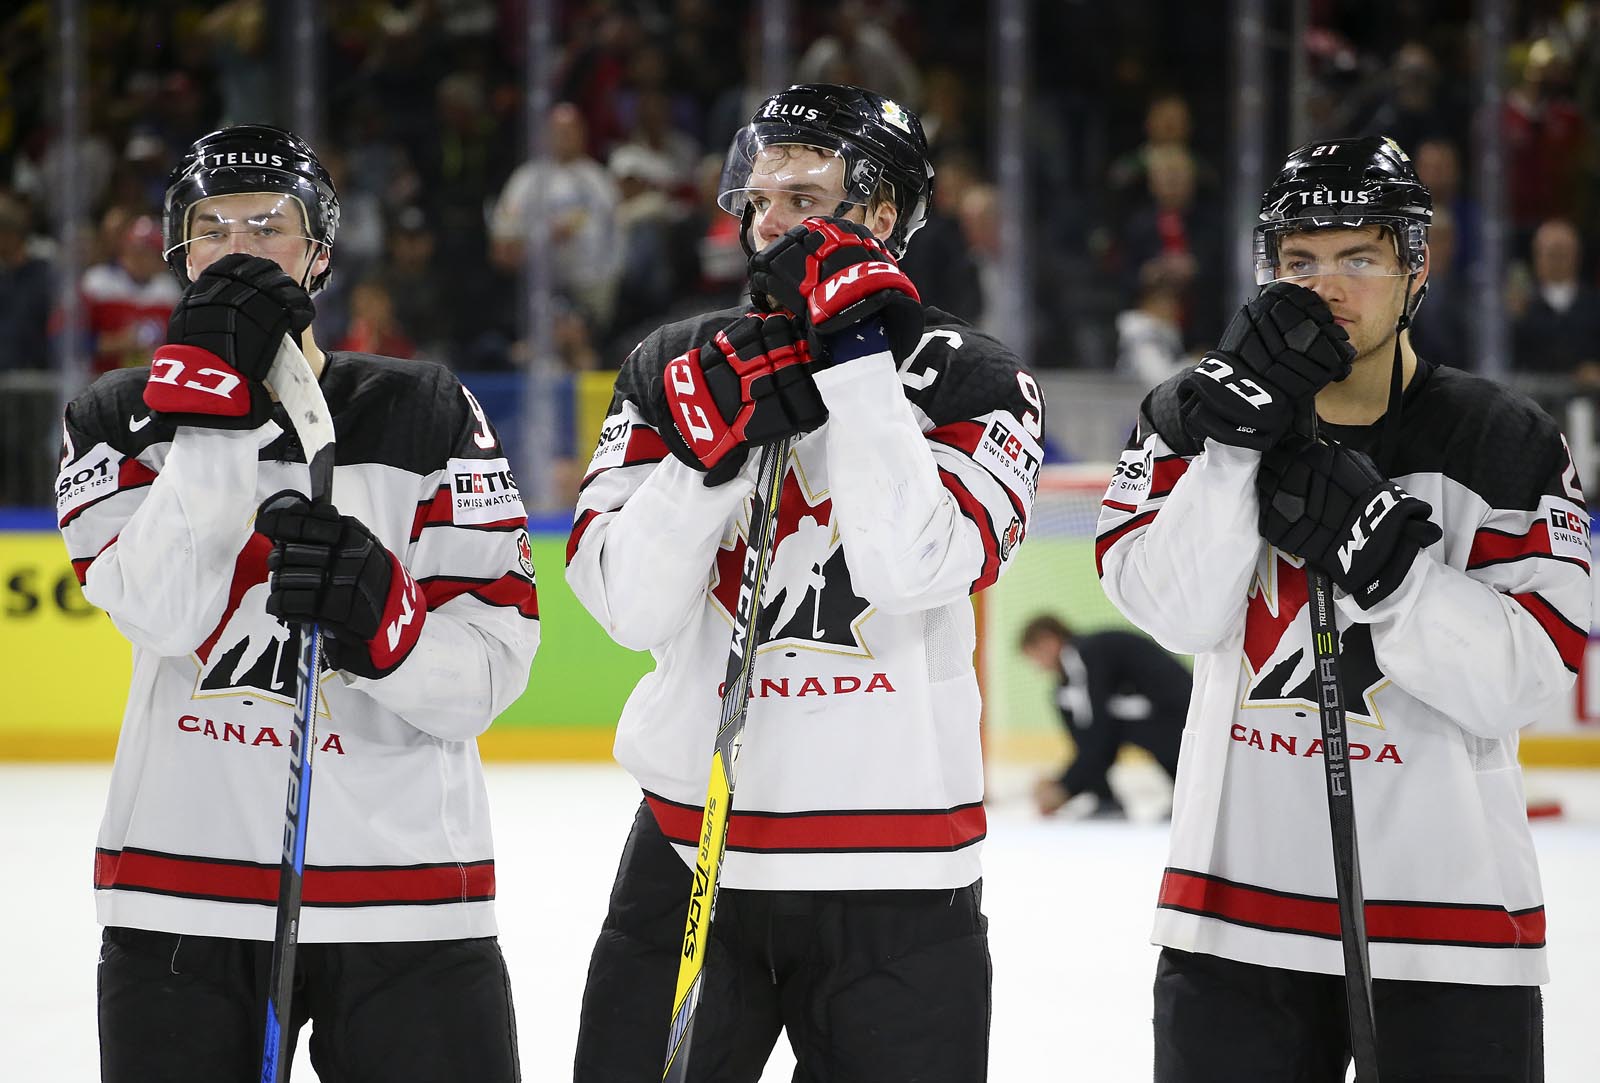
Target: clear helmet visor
[
  {"x": 1396, "y": 254},
  {"x": 771, "y": 167},
  {"x": 267, "y": 224}
]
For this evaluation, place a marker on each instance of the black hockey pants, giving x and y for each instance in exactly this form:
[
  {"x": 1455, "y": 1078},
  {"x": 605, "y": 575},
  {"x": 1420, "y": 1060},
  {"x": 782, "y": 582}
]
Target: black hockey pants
[
  {"x": 871, "y": 986},
  {"x": 192, "y": 1009},
  {"x": 1221, "y": 1021}
]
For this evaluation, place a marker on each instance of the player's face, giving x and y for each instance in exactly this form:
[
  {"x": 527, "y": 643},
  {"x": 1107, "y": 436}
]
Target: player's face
[
  {"x": 1358, "y": 273},
  {"x": 267, "y": 224},
  {"x": 790, "y": 183}
]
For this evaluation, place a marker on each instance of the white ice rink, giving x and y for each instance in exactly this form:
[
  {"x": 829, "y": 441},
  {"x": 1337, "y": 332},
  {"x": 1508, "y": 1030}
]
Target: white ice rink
[{"x": 1069, "y": 907}]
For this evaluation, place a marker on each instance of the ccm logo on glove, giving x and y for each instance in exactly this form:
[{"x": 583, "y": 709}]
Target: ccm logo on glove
[{"x": 1363, "y": 528}]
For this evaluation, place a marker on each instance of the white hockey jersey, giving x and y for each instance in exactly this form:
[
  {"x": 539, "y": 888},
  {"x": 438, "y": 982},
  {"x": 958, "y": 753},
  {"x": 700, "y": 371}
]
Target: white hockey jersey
[
  {"x": 158, "y": 522},
  {"x": 861, "y": 764},
  {"x": 1482, "y": 637}
]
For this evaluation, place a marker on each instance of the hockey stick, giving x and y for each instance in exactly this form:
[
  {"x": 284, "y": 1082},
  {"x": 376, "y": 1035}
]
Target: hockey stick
[
  {"x": 1342, "y": 821},
  {"x": 291, "y": 379},
  {"x": 724, "y": 762}
]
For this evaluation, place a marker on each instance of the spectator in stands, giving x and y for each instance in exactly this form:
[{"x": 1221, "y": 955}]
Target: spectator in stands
[
  {"x": 1113, "y": 688},
  {"x": 410, "y": 276},
  {"x": 980, "y": 227},
  {"x": 653, "y": 269},
  {"x": 1545, "y": 141},
  {"x": 1443, "y": 336},
  {"x": 941, "y": 263},
  {"x": 1558, "y": 330},
  {"x": 1150, "y": 335},
  {"x": 127, "y": 302},
  {"x": 1183, "y": 231},
  {"x": 1167, "y": 124},
  {"x": 859, "y": 50},
  {"x": 26, "y": 293},
  {"x": 572, "y": 196},
  {"x": 373, "y": 327},
  {"x": 1419, "y": 104},
  {"x": 1438, "y": 165}
]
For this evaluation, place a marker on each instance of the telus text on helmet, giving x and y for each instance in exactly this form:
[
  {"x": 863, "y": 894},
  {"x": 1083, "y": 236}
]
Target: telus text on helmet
[
  {"x": 793, "y": 112},
  {"x": 1327, "y": 197},
  {"x": 246, "y": 157}
]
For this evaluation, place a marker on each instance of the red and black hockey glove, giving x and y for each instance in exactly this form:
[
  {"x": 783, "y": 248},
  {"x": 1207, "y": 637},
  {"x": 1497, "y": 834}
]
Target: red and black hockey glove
[
  {"x": 1279, "y": 350},
  {"x": 747, "y": 387},
  {"x": 1330, "y": 505},
  {"x": 329, "y": 569},
  {"x": 221, "y": 340},
  {"x": 833, "y": 274}
]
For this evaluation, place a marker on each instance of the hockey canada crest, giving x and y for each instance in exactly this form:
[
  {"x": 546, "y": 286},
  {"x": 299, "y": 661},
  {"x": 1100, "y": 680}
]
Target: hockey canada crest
[
  {"x": 808, "y": 601},
  {"x": 250, "y": 653},
  {"x": 1278, "y": 654}
]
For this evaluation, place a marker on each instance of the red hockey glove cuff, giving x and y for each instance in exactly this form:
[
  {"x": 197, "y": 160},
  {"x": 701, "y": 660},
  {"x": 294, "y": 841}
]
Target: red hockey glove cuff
[
  {"x": 747, "y": 387},
  {"x": 329, "y": 569},
  {"x": 835, "y": 273},
  {"x": 190, "y": 385}
]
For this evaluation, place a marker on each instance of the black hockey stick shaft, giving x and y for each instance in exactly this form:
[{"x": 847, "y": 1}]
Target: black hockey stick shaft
[
  {"x": 296, "y": 387},
  {"x": 1342, "y": 823},
  {"x": 725, "y": 761}
]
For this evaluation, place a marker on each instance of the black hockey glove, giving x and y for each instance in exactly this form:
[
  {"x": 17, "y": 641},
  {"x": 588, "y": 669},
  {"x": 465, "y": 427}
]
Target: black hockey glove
[
  {"x": 1330, "y": 505},
  {"x": 329, "y": 569},
  {"x": 833, "y": 273},
  {"x": 747, "y": 387},
  {"x": 221, "y": 340},
  {"x": 1279, "y": 350}
]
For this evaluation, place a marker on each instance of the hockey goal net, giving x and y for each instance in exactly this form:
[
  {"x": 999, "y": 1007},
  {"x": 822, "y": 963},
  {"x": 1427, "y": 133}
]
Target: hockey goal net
[{"x": 1052, "y": 573}]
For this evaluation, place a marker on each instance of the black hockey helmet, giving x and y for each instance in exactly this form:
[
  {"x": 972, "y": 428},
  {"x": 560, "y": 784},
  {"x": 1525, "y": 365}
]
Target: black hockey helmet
[
  {"x": 1345, "y": 184},
  {"x": 249, "y": 158},
  {"x": 880, "y": 142}
]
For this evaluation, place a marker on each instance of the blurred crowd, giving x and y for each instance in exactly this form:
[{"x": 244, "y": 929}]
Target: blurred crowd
[{"x": 1127, "y": 120}]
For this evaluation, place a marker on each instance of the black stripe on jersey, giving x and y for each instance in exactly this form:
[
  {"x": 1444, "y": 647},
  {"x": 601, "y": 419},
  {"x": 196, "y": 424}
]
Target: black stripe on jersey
[
  {"x": 1111, "y": 537},
  {"x": 1570, "y": 640}
]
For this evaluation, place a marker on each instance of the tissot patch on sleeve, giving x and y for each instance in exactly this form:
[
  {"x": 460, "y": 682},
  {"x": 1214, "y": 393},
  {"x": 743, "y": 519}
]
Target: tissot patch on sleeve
[
  {"x": 1010, "y": 453},
  {"x": 483, "y": 491},
  {"x": 1569, "y": 528},
  {"x": 612, "y": 448},
  {"x": 86, "y": 479},
  {"x": 1130, "y": 481}
]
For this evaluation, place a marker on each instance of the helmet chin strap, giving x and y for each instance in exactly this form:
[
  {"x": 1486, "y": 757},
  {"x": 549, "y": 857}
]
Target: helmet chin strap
[{"x": 1389, "y": 439}]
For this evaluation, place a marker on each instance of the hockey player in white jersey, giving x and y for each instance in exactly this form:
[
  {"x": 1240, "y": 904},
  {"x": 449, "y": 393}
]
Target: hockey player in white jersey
[
  {"x": 421, "y": 580},
  {"x": 850, "y": 906},
  {"x": 1447, "y": 513}
]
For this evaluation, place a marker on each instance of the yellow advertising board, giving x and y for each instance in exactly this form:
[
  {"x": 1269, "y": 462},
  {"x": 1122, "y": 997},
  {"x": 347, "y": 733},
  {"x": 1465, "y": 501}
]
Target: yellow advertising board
[{"x": 67, "y": 665}]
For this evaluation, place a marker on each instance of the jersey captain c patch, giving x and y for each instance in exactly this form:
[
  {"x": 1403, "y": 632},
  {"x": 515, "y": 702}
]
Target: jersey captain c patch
[{"x": 482, "y": 491}]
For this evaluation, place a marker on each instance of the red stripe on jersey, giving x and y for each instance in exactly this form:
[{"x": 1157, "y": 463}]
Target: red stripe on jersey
[
  {"x": 1496, "y": 547},
  {"x": 509, "y": 590},
  {"x": 889, "y": 830},
  {"x": 576, "y": 537},
  {"x": 1570, "y": 640},
  {"x": 1165, "y": 474},
  {"x": 973, "y": 509},
  {"x": 245, "y": 882},
  {"x": 80, "y": 567},
  {"x": 1107, "y": 540},
  {"x": 961, "y": 435},
  {"x": 432, "y": 512},
  {"x": 644, "y": 446},
  {"x": 1387, "y": 922}
]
